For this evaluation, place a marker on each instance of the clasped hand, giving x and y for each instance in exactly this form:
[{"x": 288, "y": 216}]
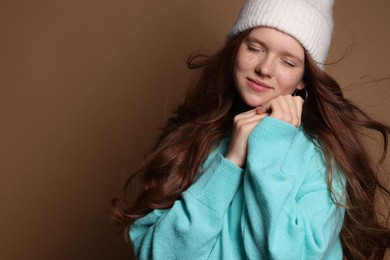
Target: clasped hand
[{"x": 286, "y": 108}]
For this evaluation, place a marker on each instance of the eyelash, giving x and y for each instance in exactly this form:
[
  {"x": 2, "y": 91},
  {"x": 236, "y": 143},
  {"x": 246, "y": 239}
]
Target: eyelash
[
  {"x": 253, "y": 49},
  {"x": 289, "y": 63}
]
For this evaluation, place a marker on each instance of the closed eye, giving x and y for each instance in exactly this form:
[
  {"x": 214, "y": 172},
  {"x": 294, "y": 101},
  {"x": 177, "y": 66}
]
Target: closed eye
[
  {"x": 252, "y": 48},
  {"x": 289, "y": 63}
]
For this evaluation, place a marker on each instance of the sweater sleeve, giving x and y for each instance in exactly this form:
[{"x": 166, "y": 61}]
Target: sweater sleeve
[
  {"x": 288, "y": 213},
  {"x": 190, "y": 228}
]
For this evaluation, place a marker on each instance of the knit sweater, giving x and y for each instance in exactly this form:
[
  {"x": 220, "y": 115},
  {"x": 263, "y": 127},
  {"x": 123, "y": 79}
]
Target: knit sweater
[{"x": 278, "y": 207}]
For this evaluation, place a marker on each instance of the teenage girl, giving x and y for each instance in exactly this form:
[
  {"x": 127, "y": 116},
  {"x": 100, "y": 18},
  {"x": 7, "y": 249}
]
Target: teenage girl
[{"x": 263, "y": 159}]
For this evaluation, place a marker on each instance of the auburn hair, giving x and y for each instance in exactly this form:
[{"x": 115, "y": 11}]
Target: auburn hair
[{"x": 206, "y": 116}]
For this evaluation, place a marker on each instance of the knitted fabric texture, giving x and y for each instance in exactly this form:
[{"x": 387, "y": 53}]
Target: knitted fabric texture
[{"x": 308, "y": 21}]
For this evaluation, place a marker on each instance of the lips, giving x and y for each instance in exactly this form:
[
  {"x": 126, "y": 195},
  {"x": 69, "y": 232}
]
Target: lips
[{"x": 258, "y": 85}]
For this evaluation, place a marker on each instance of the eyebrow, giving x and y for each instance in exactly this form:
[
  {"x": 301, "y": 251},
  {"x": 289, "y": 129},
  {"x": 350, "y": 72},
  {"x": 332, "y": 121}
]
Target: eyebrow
[{"x": 285, "y": 52}]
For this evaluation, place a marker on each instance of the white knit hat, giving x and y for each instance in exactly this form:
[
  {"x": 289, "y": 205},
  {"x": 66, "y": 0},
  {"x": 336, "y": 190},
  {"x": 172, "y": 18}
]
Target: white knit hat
[{"x": 308, "y": 21}]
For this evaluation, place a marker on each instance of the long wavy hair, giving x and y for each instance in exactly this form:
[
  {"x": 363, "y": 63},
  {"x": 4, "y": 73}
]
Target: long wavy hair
[{"x": 206, "y": 116}]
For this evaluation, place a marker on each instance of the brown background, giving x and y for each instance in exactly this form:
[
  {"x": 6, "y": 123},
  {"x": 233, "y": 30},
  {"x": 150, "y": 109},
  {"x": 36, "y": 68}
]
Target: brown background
[{"x": 81, "y": 81}]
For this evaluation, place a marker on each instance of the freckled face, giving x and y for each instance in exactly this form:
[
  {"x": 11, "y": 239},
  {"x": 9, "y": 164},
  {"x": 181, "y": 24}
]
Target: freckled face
[{"x": 269, "y": 63}]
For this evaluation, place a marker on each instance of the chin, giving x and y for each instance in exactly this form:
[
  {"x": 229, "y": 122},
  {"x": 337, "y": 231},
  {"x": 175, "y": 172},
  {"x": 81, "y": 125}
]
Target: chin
[{"x": 253, "y": 102}]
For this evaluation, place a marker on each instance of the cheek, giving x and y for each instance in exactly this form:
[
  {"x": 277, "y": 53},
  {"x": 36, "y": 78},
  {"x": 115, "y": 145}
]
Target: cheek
[
  {"x": 289, "y": 79},
  {"x": 245, "y": 61}
]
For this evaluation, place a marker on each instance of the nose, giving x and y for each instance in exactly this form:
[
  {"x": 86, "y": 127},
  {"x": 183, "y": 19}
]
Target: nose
[{"x": 265, "y": 67}]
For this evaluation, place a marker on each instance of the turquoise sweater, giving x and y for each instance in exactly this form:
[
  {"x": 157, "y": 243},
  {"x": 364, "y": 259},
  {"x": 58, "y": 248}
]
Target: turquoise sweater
[{"x": 278, "y": 207}]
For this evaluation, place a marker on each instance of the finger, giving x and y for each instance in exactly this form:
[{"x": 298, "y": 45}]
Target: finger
[
  {"x": 250, "y": 123},
  {"x": 299, "y": 106},
  {"x": 238, "y": 143},
  {"x": 295, "y": 118},
  {"x": 280, "y": 109},
  {"x": 249, "y": 120},
  {"x": 245, "y": 114},
  {"x": 266, "y": 108},
  {"x": 261, "y": 110},
  {"x": 299, "y": 103},
  {"x": 239, "y": 117},
  {"x": 286, "y": 108}
]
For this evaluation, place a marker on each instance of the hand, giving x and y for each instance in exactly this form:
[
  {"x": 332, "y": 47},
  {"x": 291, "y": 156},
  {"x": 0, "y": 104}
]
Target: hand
[
  {"x": 286, "y": 108},
  {"x": 243, "y": 125}
]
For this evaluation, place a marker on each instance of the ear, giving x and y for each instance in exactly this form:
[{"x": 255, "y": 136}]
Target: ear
[{"x": 301, "y": 85}]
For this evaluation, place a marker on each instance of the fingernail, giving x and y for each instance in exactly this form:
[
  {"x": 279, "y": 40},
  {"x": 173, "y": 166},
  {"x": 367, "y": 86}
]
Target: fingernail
[{"x": 258, "y": 109}]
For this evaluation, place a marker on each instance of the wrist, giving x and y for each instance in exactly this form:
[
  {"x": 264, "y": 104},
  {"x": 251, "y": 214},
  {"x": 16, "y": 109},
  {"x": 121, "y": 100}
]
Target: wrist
[{"x": 240, "y": 162}]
